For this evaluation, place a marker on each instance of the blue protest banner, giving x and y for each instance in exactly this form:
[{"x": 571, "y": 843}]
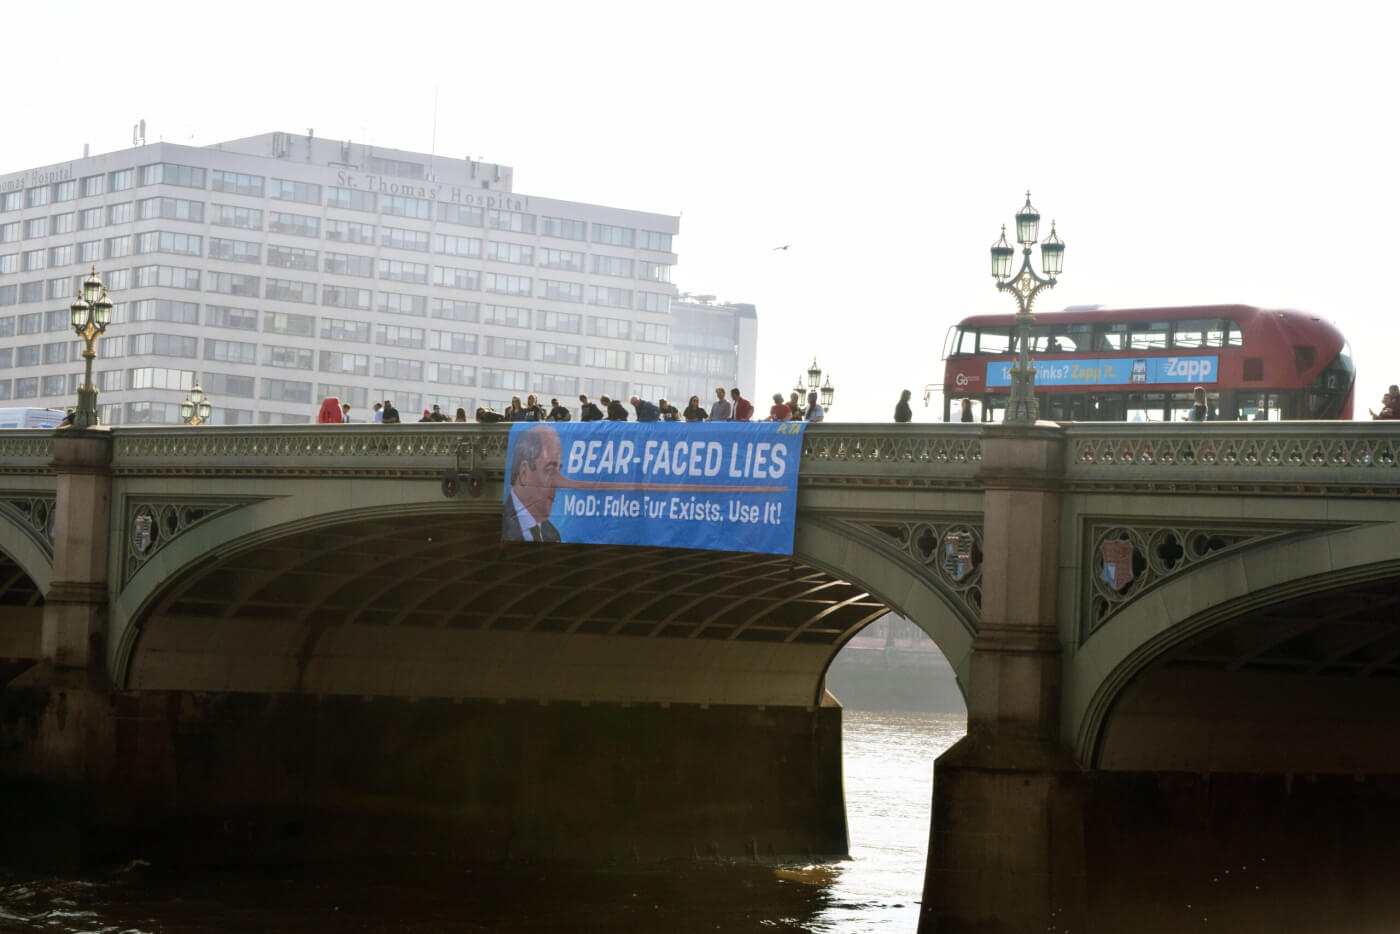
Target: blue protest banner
[{"x": 727, "y": 486}]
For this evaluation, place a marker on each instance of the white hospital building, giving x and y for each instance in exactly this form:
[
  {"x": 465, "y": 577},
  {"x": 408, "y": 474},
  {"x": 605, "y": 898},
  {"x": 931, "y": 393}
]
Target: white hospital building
[{"x": 283, "y": 268}]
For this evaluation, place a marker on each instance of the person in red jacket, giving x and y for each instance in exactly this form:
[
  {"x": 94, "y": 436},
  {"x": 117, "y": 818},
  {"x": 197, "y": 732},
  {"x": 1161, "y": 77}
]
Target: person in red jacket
[
  {"x": 743, "y": 408},
  {"x": 780, "y": 412}
]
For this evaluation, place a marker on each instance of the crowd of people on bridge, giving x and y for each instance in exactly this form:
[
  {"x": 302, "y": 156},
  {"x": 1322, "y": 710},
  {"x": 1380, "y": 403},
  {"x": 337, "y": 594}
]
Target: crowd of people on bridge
[{"x": 729, "y": 405}]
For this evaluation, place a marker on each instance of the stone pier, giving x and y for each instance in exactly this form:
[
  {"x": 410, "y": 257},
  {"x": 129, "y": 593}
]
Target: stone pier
[{"x": 1006, "y": 835}]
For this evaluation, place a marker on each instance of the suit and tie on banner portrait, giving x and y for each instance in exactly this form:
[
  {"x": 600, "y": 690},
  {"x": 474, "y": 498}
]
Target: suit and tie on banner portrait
[{"x": 726, "y": 486}]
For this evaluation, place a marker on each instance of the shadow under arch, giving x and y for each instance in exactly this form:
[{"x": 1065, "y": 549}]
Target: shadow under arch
[
  {"x": 255, "y": 523},
  {"x": 21, "y": 616},
  {"x": 1246, "y": 619},
  {"x": 21, "y": 548},
  {"x": 438, "y": 576}
]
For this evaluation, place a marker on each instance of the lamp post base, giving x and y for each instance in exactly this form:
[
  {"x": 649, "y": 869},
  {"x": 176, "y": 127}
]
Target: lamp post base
[
  {"x": 86, "y": 414},
  {"x": 1022, "y": 408}
]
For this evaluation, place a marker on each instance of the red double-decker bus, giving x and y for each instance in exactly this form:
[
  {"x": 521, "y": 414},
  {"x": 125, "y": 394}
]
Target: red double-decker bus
[{"x": 1141, "y": 364}]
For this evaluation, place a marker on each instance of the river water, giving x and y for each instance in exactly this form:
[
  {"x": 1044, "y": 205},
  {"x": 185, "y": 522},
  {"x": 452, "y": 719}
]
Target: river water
[{"x": 889, "y": 775}]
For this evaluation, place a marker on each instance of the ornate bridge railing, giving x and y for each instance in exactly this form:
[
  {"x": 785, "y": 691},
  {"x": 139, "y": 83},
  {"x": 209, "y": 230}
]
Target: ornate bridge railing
[
  {"x": 899, "y": 454},
  {"x": 1334, "y": 458},
  {"x": 1342, "y": 458},
  {"x": 904, "y": 453},
  {"x": 27, "y": 450},
  {"x": 320, "y": 450}
]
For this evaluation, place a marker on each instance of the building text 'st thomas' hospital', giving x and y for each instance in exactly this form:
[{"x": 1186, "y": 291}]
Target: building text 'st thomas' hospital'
[{"x": 280, "y": 269}]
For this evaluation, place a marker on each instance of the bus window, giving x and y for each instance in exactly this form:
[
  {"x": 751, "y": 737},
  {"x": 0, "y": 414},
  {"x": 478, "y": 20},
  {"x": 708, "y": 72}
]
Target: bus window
[
  {"x": 1075, "y": 338},
  {"x": 1147, "y": 406},
  {"x": 964, "y": 341},
  {"x": 1043, "y": 340},
  {"x": 1324, "y": 405},
  {"x": 1181, "y": 404},
  {"x": 1110, "y": 337},
  {"x": 1065, "y": 407},
  {"x": 994, "y": 340},
  {"x": 1193, "y": 333},
  {"x": 1055, "y": 338},
  {"x": 1149, "y": 335},
  {"x": 1233, "y": 337},
  {"x": 1258, "y": 406},
  {"x": 1327, "y": 396},
  {"x": 1104, "y": 407}
]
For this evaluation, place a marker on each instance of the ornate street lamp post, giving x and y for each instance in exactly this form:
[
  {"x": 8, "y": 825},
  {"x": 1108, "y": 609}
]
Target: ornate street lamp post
[
  {"x": 91, "y": 314},
  {"x": 1022, "y": 407},
  {"x": 814, "y": 384},
  {"x": 196, "y": 408}
]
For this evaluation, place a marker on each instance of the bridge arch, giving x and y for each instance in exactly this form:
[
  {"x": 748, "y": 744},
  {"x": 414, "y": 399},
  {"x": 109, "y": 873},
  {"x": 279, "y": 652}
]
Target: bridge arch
[
  {"x": 21, "y": 615},
  {"x": 235, "y": 603},
  {"x": 27, "y": 556},
  {"x": 907, "y": 589},
  {"x": 1283, "y": 619},
  {"x": 245, "y": 520}
]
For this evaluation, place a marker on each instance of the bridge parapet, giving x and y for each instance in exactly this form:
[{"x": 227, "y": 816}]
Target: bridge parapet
[
  {"x": 941, "y": 453},
  {"x": 27, "y": 450},
  {"x": 1332, "y": 458},
  {"x": 1335, "y": 457},
  {"x": 320, "y": 450},
  {"x": 829, "y": 452}
]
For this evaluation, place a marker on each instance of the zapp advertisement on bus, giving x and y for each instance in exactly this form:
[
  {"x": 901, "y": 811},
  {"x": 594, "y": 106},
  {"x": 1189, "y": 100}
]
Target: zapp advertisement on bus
[{"x": 1113, "y": 371}]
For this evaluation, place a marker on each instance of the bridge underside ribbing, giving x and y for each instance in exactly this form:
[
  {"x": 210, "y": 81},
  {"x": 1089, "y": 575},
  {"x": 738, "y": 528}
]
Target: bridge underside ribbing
[
  {"x": 21, "y": 618},
  {"x": 17, "y": 588},
  {"x": 433, "y": 604},
  {"x": 1307, "y": 684}
]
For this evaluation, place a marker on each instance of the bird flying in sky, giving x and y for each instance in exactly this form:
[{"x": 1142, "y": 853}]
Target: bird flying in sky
[{"x": 783, "y": 247}]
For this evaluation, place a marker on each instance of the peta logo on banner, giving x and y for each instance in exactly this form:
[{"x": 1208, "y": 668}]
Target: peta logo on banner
[{"x": 1190, "y": 370}]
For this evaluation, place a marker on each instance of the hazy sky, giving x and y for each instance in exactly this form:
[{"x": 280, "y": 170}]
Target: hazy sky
[{"x": 1191, "y": 152}]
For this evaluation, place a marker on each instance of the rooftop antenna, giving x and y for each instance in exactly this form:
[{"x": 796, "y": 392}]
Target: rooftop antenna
[
  {"x": 138, "y": 133},
  {"x": 433, "y": 152}
]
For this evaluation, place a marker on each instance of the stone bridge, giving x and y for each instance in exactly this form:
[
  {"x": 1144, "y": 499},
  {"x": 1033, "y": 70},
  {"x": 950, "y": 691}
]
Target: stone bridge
[{"x": 223, "y": 624}]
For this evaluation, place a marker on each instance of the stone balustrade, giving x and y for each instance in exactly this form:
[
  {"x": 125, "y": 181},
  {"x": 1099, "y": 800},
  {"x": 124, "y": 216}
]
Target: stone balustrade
[
  {"x": 1335, "y": 458},
  {"x": 1220, "y": 456}
]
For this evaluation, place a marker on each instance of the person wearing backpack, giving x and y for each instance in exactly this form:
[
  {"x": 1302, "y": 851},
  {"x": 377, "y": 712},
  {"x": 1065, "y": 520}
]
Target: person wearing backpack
[
  {"x": 617, "y": 412},
  {"x": 588, "y": 411},
  {"x": 557, "y": 412}
]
